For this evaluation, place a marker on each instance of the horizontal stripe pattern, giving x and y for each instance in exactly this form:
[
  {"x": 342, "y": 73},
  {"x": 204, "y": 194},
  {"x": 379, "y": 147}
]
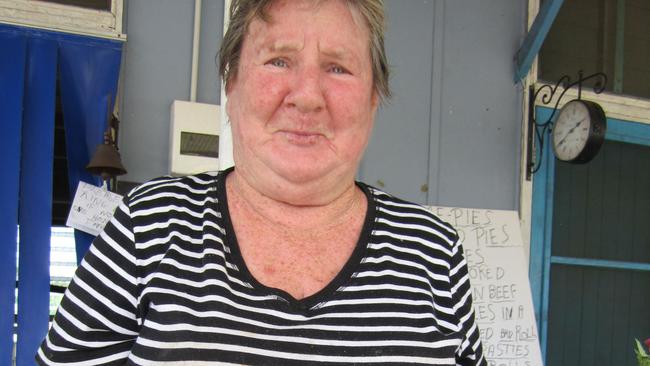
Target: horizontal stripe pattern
[{"x": 164, "y": 284}]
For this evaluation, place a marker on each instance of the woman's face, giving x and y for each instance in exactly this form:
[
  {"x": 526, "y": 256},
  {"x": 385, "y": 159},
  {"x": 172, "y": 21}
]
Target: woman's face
[{"x": 302, "y": 103}]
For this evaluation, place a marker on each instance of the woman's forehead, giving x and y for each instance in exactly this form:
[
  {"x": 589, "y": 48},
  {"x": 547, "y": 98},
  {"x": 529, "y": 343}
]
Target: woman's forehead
[
  {"x": 281, "y": 31},
  {"x": 278, "y": 9}
]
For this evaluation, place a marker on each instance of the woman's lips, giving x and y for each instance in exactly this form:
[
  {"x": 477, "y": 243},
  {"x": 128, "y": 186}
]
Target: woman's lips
[{"x": 304, "y": 138}]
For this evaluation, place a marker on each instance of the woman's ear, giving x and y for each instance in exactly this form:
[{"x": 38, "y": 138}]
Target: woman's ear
[
  {"x": 230, "y": 86},
  {"x": 374, "y": 101}
]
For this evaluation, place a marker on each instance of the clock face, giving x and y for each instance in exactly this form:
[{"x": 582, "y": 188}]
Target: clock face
[{"x": 571, "y": 130}]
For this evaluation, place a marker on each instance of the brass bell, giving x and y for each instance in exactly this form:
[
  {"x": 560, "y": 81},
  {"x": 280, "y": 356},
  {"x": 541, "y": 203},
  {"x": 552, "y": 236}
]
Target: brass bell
[{"x": 106, "y": 161}]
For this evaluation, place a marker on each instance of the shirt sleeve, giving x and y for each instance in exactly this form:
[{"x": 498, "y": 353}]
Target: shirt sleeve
[
  {"x": 470, "y": 352},
  {"x": 97, "y": 321}
]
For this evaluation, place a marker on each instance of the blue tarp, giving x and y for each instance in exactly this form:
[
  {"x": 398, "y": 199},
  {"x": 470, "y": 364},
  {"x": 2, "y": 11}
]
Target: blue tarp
[{"x": 30, "y": 62}]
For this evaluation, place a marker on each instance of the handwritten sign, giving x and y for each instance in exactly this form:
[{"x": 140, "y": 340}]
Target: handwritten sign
[
  {"x": 92, "y": 208},
  {"x": 500, "y": 288}
]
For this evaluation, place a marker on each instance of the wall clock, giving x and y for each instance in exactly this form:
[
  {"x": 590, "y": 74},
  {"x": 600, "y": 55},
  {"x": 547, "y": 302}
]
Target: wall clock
[{"x": 579, "y": 131}]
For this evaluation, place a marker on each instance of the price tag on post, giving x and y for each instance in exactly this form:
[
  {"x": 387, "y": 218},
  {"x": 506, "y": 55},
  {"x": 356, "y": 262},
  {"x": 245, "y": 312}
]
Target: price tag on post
[{"x": 92, "y": 208}]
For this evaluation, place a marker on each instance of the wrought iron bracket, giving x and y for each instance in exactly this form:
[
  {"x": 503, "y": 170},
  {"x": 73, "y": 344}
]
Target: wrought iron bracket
[{"x": 546, "y": 93}]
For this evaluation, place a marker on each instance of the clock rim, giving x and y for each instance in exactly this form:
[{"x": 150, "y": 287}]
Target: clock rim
[
  {"x": 562, "y": 111},
  {"x": 595, "y": 138}
]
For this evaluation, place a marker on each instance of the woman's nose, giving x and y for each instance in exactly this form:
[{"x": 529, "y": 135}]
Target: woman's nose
[{"x": 306, "y": 94}]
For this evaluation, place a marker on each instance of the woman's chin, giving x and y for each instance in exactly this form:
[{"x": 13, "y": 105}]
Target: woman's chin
[
  {"x": 306, "y": 172},
  {"x": 307, "y": 185}
]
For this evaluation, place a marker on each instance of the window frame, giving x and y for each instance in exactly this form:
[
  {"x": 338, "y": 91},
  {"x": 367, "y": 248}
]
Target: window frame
[
  {"x": 617, "y": 106},
  {"x": 65, "y": 18}
]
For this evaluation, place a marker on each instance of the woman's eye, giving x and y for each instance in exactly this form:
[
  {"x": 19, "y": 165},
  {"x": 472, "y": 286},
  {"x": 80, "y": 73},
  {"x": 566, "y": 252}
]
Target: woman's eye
[
  {"x": 338, "y": 69},
  {"x": 278, "y": 62}
]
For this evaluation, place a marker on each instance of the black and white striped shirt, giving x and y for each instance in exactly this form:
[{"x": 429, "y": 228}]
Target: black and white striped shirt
[{"x": 165, "y": 284}]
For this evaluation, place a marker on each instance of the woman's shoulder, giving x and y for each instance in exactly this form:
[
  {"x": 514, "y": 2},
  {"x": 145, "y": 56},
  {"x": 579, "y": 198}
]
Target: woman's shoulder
[
  {"x": 410, "y": 218},
  {"x": 167, "y": 205},
  {"x": 172, "y": 188}
]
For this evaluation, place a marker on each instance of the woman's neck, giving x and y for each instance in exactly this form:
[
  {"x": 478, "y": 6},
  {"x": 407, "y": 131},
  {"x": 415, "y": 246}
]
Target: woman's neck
[{"x": 309, "y": 219}]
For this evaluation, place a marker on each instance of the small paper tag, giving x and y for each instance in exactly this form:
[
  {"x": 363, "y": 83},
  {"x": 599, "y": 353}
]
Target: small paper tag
[{"x": 92, "y": 208}]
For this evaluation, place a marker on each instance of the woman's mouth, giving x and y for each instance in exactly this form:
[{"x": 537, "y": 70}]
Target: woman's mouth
[{"x": 301, "y": 138}]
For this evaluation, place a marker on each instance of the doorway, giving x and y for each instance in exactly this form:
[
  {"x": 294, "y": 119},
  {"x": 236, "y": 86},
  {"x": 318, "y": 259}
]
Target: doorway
[{"x": 590, "y": 251}]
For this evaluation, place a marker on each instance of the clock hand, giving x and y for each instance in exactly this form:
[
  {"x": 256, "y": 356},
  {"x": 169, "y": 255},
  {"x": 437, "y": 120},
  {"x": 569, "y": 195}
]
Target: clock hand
[{"x": 570, "y": 132}]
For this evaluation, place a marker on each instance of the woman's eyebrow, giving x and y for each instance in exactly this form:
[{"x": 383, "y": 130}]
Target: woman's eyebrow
[
  {"x": 282, "y": 46},
  {"x": 334, "y": 53},
  {"x": 343, "y": 55},
  {"x": 339, "y": 53}
]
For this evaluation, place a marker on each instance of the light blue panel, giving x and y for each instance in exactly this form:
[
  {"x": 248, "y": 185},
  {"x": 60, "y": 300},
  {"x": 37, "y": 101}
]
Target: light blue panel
[
  {"x": 480, "y": 109},
  {"x": 541, "y": 231},
  {"x": 156, "y": 71},
  {"x": 538, "y": 223},
  {"x": 398, "y": 154},
  {"x": 599, "y": 263},
  {"x": 630, "y": 132}
]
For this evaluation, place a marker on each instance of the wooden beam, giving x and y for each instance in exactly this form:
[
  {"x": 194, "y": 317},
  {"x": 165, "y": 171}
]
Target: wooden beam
[{"x": 535, "y": 37}]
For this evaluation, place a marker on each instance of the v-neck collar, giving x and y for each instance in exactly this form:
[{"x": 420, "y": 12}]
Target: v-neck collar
[{"x": 324, "y": 294}]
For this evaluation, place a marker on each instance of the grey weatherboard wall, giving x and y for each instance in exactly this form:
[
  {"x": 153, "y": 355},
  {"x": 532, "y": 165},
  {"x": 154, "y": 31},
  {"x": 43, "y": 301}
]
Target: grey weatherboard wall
[
  {"x": 156, "y": 70},
  {"x": 450, "y": 135}
]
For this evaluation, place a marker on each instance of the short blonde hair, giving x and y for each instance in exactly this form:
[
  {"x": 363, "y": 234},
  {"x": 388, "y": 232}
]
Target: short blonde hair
[{"x": 242, "y": 13}]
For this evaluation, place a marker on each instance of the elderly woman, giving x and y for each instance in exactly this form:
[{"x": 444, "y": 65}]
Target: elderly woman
[{"x": 285, "y": 259}]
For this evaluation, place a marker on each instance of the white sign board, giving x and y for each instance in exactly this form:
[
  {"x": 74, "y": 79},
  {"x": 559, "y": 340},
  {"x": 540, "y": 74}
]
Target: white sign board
[
  {"x": 92, "y": 208},
  {"x": 500, "y": 288}
]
